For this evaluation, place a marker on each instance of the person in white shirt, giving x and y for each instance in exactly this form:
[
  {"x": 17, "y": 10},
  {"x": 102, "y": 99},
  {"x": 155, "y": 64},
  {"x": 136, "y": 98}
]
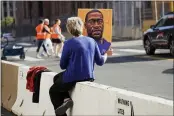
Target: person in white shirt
[
  {"x": 57, "y": 38},
  {"x": 48, "y": 43}
]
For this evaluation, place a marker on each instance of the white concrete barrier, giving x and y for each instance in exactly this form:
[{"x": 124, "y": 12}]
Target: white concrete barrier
[
  {"x": 9, "y": 78},
  {"x": 24, "y": 105},
  {"x": 136, "y": 104},
  {"x": 96, "y": 99},
  {"x": 21, "y": 93},
  {"x": 89, "y": 99},
  {"x": 44, "y": 98},
  {"x": 93, "y": 99}
]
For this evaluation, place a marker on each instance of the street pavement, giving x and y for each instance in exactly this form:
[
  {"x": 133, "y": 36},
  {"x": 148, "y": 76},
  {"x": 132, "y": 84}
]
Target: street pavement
[{"x": 129, "y": 68}]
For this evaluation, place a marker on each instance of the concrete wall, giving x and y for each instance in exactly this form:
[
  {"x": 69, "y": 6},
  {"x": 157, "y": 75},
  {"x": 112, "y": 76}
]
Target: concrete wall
[{"x": 89, "y": 98}]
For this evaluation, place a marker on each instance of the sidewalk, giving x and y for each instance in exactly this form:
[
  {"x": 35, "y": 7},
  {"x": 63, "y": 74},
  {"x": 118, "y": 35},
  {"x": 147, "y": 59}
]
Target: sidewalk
[
  {"x": 117, "y": 42},
  {"x": 127, "y": 43}
]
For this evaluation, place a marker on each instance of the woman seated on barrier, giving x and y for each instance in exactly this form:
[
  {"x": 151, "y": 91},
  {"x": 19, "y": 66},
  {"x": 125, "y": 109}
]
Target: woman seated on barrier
[{"x": 78, "y": 58}]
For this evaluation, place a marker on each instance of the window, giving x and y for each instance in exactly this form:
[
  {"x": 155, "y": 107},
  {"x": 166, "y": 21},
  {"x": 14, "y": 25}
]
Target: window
[
  {"x": 11, "y": 8},
  {"x": 10, "y": 5},
  {"x": 25, "y": 11},
  {"x": 11, "y": 13},
  {"x": 5, "y": 14},
  {"x": 29, "y": 9},
  {"x": 5, "y": 5},
  {"x": 169, "y": 21},
  {"x": 40, "y": 8},
  {"x": 160, "y": 23},
  {"x": 79, "y": 4},
  {"x": 148, "y": 4}
]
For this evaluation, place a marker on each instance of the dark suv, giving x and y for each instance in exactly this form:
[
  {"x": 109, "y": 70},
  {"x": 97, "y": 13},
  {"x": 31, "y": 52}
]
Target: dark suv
[{"x": 160, "y": 36}]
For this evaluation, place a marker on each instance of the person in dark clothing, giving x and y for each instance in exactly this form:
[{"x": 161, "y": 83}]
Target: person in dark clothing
[
  {"x": 40, "y": 36},
  {"x": 79, "y": 55}
]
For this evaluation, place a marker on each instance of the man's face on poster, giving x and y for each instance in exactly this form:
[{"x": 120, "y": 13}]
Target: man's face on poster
[{"x": 94, "y": 25}]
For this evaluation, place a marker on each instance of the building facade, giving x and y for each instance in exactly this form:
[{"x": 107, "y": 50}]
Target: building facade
[
  {"x": 128, "y": 16},
  {"x": 27, "y": 13}
]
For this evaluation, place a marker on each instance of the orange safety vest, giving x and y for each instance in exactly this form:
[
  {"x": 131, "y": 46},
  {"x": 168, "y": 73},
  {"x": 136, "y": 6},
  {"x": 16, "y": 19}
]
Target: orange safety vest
[
  {"x": 54, "y": 35},
  {"x": 48, "y": 35},
  {"x": 39, "y": 33}
]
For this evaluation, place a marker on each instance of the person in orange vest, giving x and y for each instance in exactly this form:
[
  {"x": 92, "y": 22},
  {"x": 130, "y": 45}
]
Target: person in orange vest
[
  {"x": 40, "y": 36},
  {"x": 48, "y": 42},
  {"x": 57, "y": 38}
]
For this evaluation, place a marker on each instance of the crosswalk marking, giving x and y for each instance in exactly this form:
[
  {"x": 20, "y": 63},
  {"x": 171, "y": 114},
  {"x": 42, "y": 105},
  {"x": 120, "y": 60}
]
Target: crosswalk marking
[
  {"x": 115, "y": 54},
  {"x": 139, "y": 51},
  {"x": 132, "y": 50},
  {"x": 28, "y": 58}
]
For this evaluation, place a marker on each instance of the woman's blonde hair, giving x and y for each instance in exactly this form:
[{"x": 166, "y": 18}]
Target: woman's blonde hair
[{"x": 75, "y": 26}]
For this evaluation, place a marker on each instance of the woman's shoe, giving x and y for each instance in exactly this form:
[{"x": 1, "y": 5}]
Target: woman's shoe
[{"x": 64, "y": 107}]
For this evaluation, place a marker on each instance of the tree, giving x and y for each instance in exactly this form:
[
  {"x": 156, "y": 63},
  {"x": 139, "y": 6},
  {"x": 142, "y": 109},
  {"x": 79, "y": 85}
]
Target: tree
[{"x": 7, "y": 21}]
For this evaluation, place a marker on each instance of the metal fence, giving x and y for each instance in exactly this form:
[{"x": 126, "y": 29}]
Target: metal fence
[
  {"x": 129, "y": 16},
  {"x": 126, "y": 19}
]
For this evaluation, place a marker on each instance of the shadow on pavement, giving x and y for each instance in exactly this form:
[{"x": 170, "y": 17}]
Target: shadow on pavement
[
  {"x": 164, "y": 55},
  {"x": 169, "y": 71},
  {"x": 5, "y": 112},
  {"x": 136, "y": 58}
]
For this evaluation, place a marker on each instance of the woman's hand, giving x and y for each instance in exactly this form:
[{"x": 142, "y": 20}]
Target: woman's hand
[{"x": 109, "y": 52}]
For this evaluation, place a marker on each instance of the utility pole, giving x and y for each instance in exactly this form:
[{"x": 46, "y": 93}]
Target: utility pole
[
  {"x": 172, "y": 5},
  {"x": 140, "y": 14},
  {"x": 163, "y": 8},
  {"x": 156, "y": 15}
]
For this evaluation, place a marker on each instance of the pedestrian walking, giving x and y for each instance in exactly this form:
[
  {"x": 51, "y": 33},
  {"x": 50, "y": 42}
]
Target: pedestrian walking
[
  {"x": 57, "y": 38},
  {"x": 40, "y": 36},
  {"x": 48, "y": 42}
]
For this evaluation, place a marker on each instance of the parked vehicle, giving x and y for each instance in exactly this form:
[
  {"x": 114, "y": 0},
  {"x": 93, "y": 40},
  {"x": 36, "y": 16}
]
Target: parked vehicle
[{"x": 160, "y": 35}]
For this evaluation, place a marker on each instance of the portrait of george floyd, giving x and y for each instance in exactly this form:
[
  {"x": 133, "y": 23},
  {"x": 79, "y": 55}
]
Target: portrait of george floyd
[{"x": 98, "y": 25}]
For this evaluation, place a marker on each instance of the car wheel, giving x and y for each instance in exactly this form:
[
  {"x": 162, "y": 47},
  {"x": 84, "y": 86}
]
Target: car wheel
[
  {"x": 3, "y": 58},
  {"x": 172, "y": 47},
  {"x": 150, "y": 50}
]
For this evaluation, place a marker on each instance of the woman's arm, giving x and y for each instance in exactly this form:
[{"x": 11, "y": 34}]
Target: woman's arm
[
  {"x": 99, "y": 59},
  {"x": 64, "y": 61}
]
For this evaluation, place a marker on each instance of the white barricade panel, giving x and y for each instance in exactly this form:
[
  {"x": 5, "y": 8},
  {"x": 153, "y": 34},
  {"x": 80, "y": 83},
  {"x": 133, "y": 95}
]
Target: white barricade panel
[
  {"x": 92, "y": 99},
  {"x": 24, "y": 105},
  {"x": 29, "y": 108},
  {"x": 22, "y": 73},
  {"x": 44, "y": 98},
  {"x": 136, "y": 104},
  {"x": 89, "y": 99},
  {"x": 9, "y": 78}
]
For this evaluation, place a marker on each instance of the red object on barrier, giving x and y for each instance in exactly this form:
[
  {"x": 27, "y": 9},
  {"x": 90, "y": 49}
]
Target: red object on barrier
[{"x": 31, "y": 75}]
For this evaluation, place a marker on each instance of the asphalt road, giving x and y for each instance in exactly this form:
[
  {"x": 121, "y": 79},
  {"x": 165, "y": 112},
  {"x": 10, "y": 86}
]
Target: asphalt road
[{"x": 129, "y": 68}]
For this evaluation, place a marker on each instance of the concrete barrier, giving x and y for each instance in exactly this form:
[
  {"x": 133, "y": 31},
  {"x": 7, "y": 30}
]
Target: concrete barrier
[
  {"x": 45, "y": 104},
  {"x": 24, "y": 105},
  {"x": 9, "y": 75},
  {"x": 135, "y": 104},
  {"x": 96, "y": 99},
  {"x": 89, "y": 99},
  {"x": 21, "y": 93}
]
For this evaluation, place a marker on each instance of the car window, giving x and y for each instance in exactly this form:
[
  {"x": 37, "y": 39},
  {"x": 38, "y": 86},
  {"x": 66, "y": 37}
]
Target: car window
[
  {"x": 160, "y": 23},
  {"x": 169, "y": 21}
]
